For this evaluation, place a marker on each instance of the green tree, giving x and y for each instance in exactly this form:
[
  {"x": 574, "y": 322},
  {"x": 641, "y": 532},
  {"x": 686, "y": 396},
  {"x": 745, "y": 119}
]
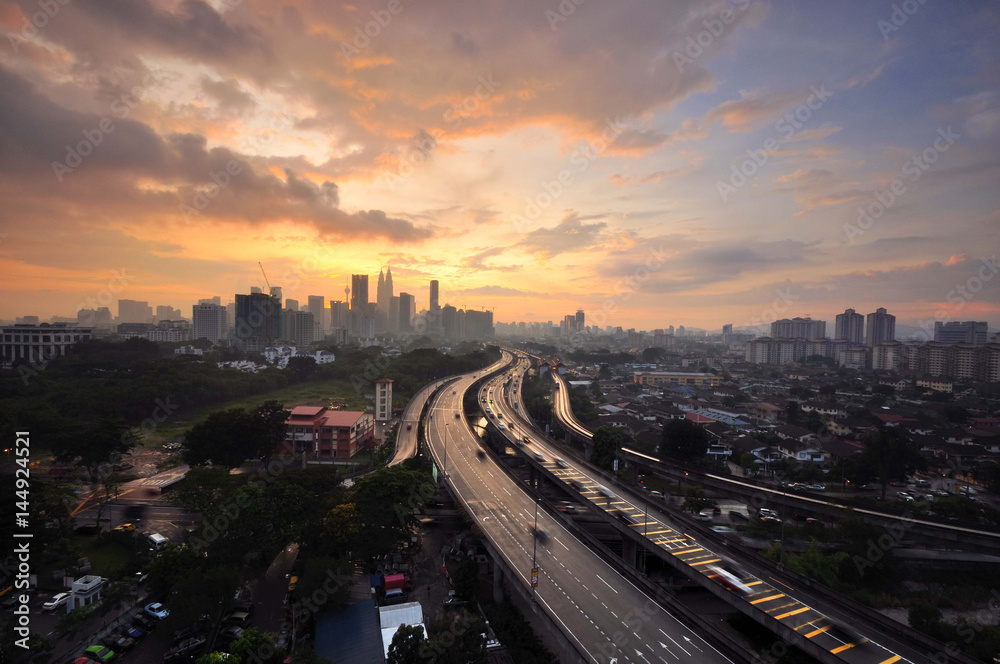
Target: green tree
[
  {"x": 385, "y": 499},
  {"x": 465, "y": 579},
  {"x": 748, "y": 461},
  {"x": 684, "y": 440},
  {"x": 253, "y": 645},
  {"x": 408, "y": 644},
  {"x": 225, "y": 438},
  {"x": 98, "y": 443},
  {"x": 269, "y": 428},
  {"x": 606, "y": 443},
  {"x": 205, "y": 488},
  {"x": 889, "y": 456}
]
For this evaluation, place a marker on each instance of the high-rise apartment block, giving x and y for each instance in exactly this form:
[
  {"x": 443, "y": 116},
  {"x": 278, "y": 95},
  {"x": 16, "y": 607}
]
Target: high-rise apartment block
[
  {"x": 850, "y": 326},
  {"x": 881, "y": 328}
]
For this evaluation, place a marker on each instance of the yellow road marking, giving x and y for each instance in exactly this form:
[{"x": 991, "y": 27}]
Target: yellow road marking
[
  {"x": 894, "y": 658},
  {"x": 768, "y": 599},
  {"x": 818, "y": 631},
  {"x": 846, "y": 646},
  {"x": 792, "y": 613}
]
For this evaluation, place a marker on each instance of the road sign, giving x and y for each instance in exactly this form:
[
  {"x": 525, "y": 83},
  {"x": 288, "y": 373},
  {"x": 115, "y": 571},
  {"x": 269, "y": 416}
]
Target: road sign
[{"x": 534, "y": 577}]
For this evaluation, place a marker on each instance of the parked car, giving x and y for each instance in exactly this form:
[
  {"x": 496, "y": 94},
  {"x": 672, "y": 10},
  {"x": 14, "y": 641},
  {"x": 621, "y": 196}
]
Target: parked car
[
  {"x": 157, "y": 610},
  {"x": 125, "y": 528},
  {"x": 816, "y": 487},
  {"x": 238, "y": 618},
  {"x": 56, "y": 601},
  {"x": 141, "y": 620},
  {"x": 121, "y": 643},
  {"x": 454, "y": 603},
  {"x": 102, "y": 654},
  {"x": 230, "y": 634}
]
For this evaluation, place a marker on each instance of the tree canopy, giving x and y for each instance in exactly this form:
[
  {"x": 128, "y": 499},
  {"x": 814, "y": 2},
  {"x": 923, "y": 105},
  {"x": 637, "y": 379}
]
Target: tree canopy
[{"x": 685, "y": 440}]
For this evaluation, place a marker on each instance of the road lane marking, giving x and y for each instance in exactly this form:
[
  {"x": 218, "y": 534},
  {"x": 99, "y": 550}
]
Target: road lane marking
[{"x": 607, "y": 584}]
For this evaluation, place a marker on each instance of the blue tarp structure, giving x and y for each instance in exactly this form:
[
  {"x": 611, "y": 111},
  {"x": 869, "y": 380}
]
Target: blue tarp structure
[{"x": 350, "y": 636}]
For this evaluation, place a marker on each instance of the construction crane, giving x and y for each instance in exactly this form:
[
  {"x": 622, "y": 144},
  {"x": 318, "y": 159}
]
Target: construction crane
[{"x": 265, "y": 277}]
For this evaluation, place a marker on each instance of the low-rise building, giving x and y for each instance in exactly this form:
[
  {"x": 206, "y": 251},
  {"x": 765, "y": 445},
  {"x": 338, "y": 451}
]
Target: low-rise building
[
  {"x": 657, "y": 378},
  {"x": 324, "y": 433}
]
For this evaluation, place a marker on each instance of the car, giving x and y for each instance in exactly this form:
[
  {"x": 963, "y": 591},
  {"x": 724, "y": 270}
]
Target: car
[
  {"x": 542, "y": 535},
  {"x": 458, "y": 416},
  {"x": 120, "y": 643},
  {"x": 143, "y": 621},
  {"x": 812, "y": 521},
  {"x": 480, "y": 454},
  {"x": 816, "y": 487},
  {"x": 230, "y": 634},
  {"x": 157, "y": 610},
  {"x": 705, "y": 515},
  {"x": 724, "y": 530},
  {"x": 770, "y": 519},
  {"x": 569, "y": 508},
  {"x": 539, "y": 458},
  {"x": 284, "y": 635},
  {"x": 293, "y": 583},
  {"x": 82, "y": 660},
  {"x": 656, "y": 494},
  {"x": 737, "y": 516},
  {"x": 905, "y": 496},
  {"x": 102, "y": 654},
  {"x": 623, "y": 516},
  {"x": 125, "y": 528},
  {"x": 184, "y": 650},
  {"x": 239, "y": 618},
  {"x": 501, "y": 427},
  {"x": 561, "y": 463},
  {"x": 454, "y": 603},
  {"x": 454, "y": 391},
  {"x": 766, "y": 512},
  {"x": 605, "y": 491},
  {"x": 56, "y": 601},
  {"x": 409, "y": 426}
]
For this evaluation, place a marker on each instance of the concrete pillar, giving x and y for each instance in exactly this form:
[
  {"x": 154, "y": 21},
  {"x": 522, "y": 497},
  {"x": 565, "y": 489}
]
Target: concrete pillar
[
  {"x": 497, "y": 583},
  {"x": 633, "y": 474},
  {"x": 628, "y": 551}
]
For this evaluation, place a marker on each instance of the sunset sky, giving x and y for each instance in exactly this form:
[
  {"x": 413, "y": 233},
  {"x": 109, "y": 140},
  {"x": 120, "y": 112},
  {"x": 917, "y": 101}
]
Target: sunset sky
[{"x": 533, "y": 156}]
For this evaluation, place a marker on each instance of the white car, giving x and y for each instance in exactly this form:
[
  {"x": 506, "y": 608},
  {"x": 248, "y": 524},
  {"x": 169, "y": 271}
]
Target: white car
[
  {"x": 766, "y": 512},
  {"x": 157, "y": 610},
  {"x": 56, "y": 601}
]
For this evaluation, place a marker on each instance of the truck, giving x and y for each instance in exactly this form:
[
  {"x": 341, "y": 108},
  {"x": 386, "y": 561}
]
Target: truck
[{"x": 398, "y": 582}]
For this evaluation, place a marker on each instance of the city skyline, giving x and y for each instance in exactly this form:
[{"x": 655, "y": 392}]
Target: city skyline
[{"x": 706, "y": 165}]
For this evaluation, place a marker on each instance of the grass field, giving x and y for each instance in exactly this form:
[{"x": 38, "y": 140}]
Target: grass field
[{"x": 332, "y": 393}]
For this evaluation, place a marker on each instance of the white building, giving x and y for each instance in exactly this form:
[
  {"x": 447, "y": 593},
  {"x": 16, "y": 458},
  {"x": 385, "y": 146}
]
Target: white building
[
  {"x": 85, "y": 591},
  {"x": 383, "y": 400},
  {"x": 209, "y": 321},
  {"x": 40, "y": 343}
]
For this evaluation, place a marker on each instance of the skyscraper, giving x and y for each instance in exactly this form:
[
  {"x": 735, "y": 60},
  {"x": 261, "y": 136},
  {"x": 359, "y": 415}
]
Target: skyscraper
[
  {"x": 850, "y": 326},
  {"x": 359, "y": 300},
  {"x": 406, "y": 307},
  {"x": 291, "y": 305},
  {"x": 133, "y": 311},
  {"x": 359, "y": 293},
  {"x": 434, "y": 306},
  {"x": 208, "y": 321},
  {"x": 338, "y": 315},
  {"x": 317, "y": 308},
  {"x": 258, "y": 320},
  {"x": 881, "y": 327},
  {"x": 580, "y": 320},
  {"x": 299, "y": 327}
]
